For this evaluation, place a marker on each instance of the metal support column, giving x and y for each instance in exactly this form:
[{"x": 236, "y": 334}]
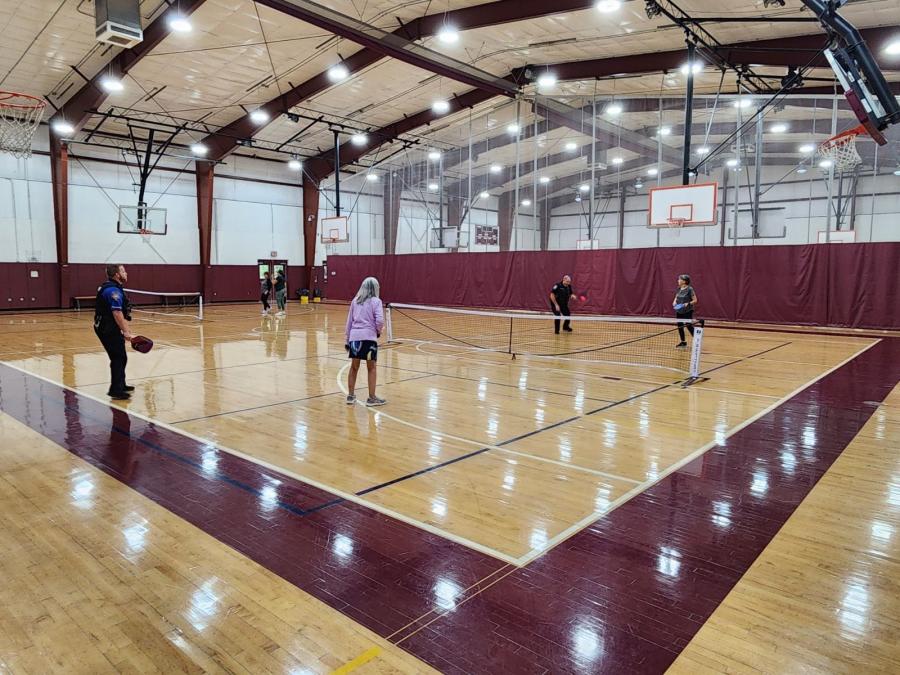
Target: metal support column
[
  {"x": 688, "y": 113},
  {"x": 337, "y": 172}
]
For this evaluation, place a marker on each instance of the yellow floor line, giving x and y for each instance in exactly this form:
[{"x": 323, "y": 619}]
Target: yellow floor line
[{"x": 360, "y": 660}]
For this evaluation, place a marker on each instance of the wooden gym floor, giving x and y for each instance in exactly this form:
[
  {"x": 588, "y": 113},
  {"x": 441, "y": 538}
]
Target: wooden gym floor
[{"x": 536, "y": 515}]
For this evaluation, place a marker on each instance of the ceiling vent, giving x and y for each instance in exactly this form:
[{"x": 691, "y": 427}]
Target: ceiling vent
[{"x": 118, "y": 22}]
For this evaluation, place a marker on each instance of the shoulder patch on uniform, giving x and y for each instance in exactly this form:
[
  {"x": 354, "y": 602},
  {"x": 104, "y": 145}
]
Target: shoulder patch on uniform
[{"x": 115, "y": 295}]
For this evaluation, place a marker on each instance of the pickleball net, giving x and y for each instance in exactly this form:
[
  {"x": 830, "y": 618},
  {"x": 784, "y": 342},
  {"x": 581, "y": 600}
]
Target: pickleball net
[{"x": 624, "y": 340}]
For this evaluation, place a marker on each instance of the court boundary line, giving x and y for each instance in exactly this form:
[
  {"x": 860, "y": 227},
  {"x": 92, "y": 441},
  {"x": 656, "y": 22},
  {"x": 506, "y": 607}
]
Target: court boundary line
[
  {"x": 340, "y": 494},
  {"x": 587, "y": 520}
]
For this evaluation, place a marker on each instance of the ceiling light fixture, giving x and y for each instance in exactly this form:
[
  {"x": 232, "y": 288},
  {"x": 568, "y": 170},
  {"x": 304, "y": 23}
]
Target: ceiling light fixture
[
  {"x": 778, "y": 128},
  {"x": 295, "y": 164},
  {"x": 807, "y": 148},
  {"x": 743, "y": 103},
  {"x": 371, "y": 177},
  {"x": 448, "y": 35},
  {"x": 802, "y": 169},
  {"x": 496, "y": 168},
  {"x": 526, "y": 202},
  {"x": 731, "y": 162},
  {"x": 694, "y": 67},
  {"x": 433, "y": 187},
  {"x": 440, "y": 106},
  {"x": 584, "y": 188},
  {"x": 359, "y": 139},
  {"x": 112, "y": 84},
  {"x": 608, "y": 6},
  {"x": 338, "y": 72},
  {"x": 665, "y": 131},
  {"x": 825, "y": 164},
  {"x": 485, "y": 194},
  {"x": 546, "y": 80},
  {"x": 893, "y": 48},
  {"x": 512, "y": 128},
  {"x": 199, "y": 149},
  {"x": 614, "y": 109},
  {"x": 63, "y": 128},
  {"x": 545, "y": 179},
  {"x": 639, "y": 185},
  {"x": 434, "y": 155},
  {"x": 702, "y": 150},
  {"x": 652, "y": 172},
  {"x": 180, "y": 24},
  {"x": 259, "y": 116},
  {"x": 571, "y": 146}
]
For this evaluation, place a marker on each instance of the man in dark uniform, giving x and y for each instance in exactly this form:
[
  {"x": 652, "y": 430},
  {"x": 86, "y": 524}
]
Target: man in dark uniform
[
  {"x": 111, "y": 317},
  {"x": 559, "y": 302}
]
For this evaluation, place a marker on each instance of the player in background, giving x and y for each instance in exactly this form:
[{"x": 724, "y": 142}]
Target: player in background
[{"x": 683, "y": 304}]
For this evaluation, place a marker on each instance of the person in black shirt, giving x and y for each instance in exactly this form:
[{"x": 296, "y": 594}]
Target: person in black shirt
[
  {"x": 559, "y": 302},
  {"x": 683, "y": 304},
  {"x": 265, "y": 288},
  {"x": 280, "y": 292},
  {"x": 111, "y": 316}
]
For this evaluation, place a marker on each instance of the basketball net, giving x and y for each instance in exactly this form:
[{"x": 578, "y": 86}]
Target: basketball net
[
  {"x": 841, "y": 150},
  {"x": 145, "y": 235},
  {"x": 20, "y": 115},
  {"x": 676, "y": 224}
]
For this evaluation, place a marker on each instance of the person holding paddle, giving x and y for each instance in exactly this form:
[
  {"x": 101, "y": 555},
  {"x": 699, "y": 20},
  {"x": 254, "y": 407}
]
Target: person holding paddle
[
  {"x": 111, "y": 316},
  {"x": 683, "y": 304}
]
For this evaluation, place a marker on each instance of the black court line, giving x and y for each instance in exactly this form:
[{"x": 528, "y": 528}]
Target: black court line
[
  {"x": 529, "y": 434},
  {"x": 295, "y": 400}
]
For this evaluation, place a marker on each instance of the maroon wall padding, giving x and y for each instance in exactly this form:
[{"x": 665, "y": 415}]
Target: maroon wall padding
[
  {"x": 18, "y": 290},
  {"x": 86, "y": 277},
  {"x": 854, "y": 285}
]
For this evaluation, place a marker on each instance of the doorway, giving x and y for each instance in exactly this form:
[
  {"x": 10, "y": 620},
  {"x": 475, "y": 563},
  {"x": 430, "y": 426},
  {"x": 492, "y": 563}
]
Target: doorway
[{"x": 273, "y": 267}]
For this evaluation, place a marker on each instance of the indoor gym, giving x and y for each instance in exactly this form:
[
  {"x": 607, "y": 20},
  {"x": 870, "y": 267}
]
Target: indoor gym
[{"x": 527, "y": 500}]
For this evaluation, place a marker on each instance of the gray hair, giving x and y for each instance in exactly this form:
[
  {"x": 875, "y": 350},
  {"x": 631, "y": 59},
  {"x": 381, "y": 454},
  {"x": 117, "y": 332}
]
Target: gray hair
[{"x": 368, "y": 289}]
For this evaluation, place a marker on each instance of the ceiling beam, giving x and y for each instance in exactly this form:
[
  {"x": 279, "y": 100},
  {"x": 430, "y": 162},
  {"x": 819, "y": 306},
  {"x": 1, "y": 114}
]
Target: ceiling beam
[
  {"x": 323, "y": 164},
  {"x": 469, "y": 18},
  {"x": 77, "y": 109},
  {"x": 792, "y": 51},
  {"x": 392, "y": 45}
]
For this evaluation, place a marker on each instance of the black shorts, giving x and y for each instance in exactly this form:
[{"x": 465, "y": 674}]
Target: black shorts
[{"x": 367, "y": 350}]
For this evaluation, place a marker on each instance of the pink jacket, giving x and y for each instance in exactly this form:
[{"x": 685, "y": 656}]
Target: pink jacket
[{"x": 365, "y": 321}]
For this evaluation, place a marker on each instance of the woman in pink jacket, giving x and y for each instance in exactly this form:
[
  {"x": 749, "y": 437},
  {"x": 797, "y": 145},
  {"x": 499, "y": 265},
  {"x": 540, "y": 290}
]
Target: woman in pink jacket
[{"x": 365, "y": 321}]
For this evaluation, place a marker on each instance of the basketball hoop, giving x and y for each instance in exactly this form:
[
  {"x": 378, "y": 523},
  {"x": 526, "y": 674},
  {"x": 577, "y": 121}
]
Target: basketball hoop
[
  {"x": 675, "y": 223},
  {"x": 145, "y": 235},
  {"x": 20, "y": 115},
  {"x": 841, "y": 151}
]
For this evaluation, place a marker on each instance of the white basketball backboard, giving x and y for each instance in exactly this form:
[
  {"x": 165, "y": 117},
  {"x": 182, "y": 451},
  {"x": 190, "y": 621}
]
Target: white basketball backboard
[
  {"x": 692, "y": 204},
  {"x": 334, "y": 230}
]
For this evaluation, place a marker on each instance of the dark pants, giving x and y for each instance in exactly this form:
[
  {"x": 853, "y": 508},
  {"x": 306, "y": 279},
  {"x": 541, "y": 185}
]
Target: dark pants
[
  {"x": 114, "y": 344},
  {"x": 264, "y": 299},
  {"x": 563, "y": 311},
  {"x": 690, "y": 326}
]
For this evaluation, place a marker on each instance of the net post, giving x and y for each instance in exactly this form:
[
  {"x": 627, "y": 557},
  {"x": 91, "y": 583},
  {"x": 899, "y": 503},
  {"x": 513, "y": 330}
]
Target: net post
[
  {"x": 387, "y": 323},
  {"x": 201, "y": 307},
  {"x": 509, "y": 348},
  {"x": 696, "y": 350}
]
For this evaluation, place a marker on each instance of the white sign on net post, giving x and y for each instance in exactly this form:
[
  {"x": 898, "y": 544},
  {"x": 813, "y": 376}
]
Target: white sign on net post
[{"x": 684, "y": 205}]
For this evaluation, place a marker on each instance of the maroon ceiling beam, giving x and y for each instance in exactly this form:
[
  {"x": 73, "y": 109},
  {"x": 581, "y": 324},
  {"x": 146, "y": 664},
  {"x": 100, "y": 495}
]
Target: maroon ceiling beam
[
  {"x": 788, "y": 51},
  {"x": 322, "y": 164},
  {"x": 76, "y": 110},
  {"x": 469, "y": 18}
]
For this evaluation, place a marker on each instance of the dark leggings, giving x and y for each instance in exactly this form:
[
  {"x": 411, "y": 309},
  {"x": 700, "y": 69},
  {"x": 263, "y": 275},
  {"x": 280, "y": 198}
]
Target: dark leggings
[
  {"x": 563, "y": 311},
  {"x": 264, "y": 299},
  {"x": 690, "y": 326}
]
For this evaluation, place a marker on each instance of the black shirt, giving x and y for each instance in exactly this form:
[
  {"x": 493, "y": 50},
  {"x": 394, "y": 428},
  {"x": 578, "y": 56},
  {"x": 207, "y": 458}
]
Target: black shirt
[
  {"x": 682, "y": 297},
  {"x": 562, "y": 293},
  {"x": 279, "y": 283},
  {"x": 110, "y": 296}
]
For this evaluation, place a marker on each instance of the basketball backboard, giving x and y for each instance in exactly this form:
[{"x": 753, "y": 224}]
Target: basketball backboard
[
  {"x": 141, "y": 220},
  {"x": 867, "y": 107},
  {"x": 448, "y": 237},
  {"x": 691, "y": 205},
  {"x": 333, "y": 230}
]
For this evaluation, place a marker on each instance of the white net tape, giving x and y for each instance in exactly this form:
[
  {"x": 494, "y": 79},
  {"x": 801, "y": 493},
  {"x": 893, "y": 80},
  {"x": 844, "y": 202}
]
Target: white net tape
[
  {"x": 841, "y": 152},
  {"x": 20, "y": 115}
]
